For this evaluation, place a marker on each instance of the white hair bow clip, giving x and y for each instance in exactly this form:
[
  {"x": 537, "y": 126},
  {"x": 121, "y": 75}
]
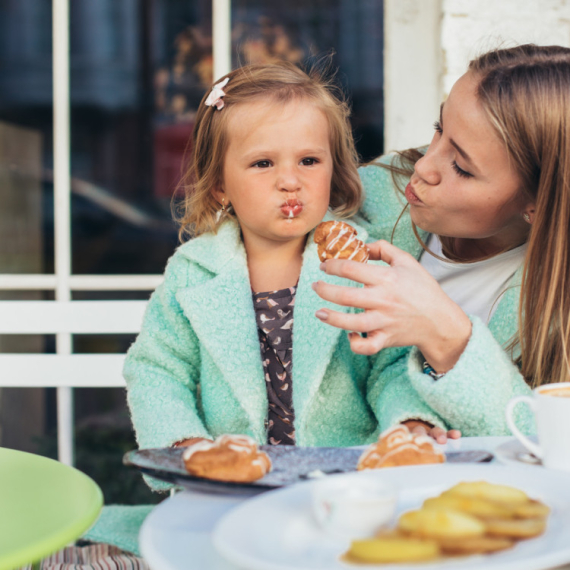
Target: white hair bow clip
[{"x": 215, "y": 97}]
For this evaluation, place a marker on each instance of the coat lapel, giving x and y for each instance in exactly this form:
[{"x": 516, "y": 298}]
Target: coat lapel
[
  {"x": 221, "y": 313},
  {"x": 313, "y": 341}
]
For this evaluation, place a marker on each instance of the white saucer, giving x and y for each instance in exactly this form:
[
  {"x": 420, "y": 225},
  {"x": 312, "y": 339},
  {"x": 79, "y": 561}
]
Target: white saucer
[{"x": 513, "y": 452}]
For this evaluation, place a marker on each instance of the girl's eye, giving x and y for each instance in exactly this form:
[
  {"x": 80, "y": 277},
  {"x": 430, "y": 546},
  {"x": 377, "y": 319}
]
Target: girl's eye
[
  {"x": 460, "y": 171},
  {"x": 309, "y": 161},
  {"x": 262, "y": 164},
  {"x": 437, "y": 127}
]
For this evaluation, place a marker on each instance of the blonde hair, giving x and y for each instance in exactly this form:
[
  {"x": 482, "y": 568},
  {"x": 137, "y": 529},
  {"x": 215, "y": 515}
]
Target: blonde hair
[
  {"x": 280, "y": 83},
  {"x": 525, "y": 91}
]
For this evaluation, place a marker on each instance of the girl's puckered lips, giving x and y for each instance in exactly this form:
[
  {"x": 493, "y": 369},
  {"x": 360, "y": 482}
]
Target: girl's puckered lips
[
  {"x": 291, "y": 208},
  {"x": 411, "y": 196}
]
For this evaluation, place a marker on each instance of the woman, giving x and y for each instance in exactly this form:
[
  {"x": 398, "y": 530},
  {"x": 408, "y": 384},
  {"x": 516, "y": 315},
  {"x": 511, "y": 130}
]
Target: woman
[{"x": 458, "y": 336}]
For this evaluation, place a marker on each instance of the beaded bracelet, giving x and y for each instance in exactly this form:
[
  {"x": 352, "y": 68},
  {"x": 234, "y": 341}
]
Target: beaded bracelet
[{"x": 427, "y": 369}]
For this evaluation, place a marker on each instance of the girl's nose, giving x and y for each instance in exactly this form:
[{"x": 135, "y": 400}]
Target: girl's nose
[
  {"x": 428, "y": 168},
  {"x": 288, "y": 180}
]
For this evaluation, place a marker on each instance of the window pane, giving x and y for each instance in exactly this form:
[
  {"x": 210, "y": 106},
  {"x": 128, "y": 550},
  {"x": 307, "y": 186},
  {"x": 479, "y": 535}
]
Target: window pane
[
  {"x": 263, "y": 30},
  {"x": 26, "y": 155},
  {"x": 26, "y": 208},
  {"x": 138, "y": 71}
]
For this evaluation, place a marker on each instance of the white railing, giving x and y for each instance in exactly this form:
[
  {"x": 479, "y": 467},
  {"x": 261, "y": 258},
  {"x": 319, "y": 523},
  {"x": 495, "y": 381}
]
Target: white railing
[{"x": 64, "y": 370}]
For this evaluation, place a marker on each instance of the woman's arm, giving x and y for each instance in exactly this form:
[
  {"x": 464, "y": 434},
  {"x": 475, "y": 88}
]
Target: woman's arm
[
  {"x": 394, "y": 400},
  {"x": 473, "y": 395},
  {"x": 405, "y": 306}
]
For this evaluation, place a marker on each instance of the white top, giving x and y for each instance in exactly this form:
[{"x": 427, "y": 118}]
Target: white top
[{"x": 475, "y": 287}]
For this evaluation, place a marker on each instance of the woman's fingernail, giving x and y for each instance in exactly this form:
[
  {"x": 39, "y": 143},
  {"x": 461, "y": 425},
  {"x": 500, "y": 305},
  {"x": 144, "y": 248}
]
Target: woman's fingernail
[
  {"x": 315, "y": 285},
  {"x": 323, "y": 267},
  {"x": 323, "y": 315}
]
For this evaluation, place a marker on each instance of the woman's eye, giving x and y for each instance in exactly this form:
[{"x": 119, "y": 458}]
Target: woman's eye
[
  {"x": 460, "y": 171},
  {"x": 437, "y": 127},
  {"x": 309, "y": 161},
  {"x": 262, "y": 164}
]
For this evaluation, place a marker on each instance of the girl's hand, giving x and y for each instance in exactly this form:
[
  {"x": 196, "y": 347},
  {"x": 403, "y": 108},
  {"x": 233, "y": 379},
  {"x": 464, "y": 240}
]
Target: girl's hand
[
  {"x": 403, "y": 306},
  {"x": 439, "y": 434},
  {"x": 190, "y": 441}
]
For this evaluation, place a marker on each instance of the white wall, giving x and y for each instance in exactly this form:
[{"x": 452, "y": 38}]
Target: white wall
[
  {"x": 471, "y": 27},
  {"x": 428, "y": 44},
  {"x": 412, "y": 71}
]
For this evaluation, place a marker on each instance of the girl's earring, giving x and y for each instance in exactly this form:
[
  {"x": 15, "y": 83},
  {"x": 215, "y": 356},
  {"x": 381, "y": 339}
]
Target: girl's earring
[
  {"x": 526, "y": 218},
  {"x": 221, "y": 211}
]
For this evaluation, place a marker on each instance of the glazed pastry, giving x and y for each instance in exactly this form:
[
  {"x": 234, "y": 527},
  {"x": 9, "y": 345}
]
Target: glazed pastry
[
  {"x": 398, "y": 446},
  {"x": 337, "y": 240},
  {"x": 232, "y": 458}
]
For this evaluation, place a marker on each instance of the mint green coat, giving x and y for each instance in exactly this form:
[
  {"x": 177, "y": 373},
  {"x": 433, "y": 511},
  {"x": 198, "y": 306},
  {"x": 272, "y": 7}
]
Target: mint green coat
[
  {"x": 195, "y": 368},
  {"x": 473, "y": 395}
]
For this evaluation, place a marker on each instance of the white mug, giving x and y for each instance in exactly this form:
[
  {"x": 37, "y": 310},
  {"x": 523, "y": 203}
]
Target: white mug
[{"x": 551, "y": 406}]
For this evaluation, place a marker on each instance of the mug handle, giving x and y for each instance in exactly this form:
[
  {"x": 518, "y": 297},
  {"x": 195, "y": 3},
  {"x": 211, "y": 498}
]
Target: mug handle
[{"x": 532, "y": 447}]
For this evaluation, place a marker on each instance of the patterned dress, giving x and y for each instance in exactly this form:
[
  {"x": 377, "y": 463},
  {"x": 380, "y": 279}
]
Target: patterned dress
[{"x": 274, "y": 316}]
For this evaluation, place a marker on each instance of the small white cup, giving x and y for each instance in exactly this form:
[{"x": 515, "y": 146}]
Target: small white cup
[
  {"x": 354, "y": 505},
  {"x": 551, "y": 407}
]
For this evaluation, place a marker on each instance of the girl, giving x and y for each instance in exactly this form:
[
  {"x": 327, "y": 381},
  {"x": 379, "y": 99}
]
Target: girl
[
  {"x": 272, "y": 150},
  {"x": 485, "y": 312}
]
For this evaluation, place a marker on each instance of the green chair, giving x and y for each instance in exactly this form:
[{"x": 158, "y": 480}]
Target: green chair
[{"x": 44, "y": 506}]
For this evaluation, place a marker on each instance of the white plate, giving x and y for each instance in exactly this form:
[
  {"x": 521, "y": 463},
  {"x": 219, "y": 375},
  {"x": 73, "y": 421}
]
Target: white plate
[
  {"x": 512, "y": 453},
  {"x": 276, "y": 531}
]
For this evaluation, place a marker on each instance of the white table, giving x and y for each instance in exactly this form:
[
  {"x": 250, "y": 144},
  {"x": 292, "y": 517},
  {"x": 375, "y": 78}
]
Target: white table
[{"x": 176, "y": 534}]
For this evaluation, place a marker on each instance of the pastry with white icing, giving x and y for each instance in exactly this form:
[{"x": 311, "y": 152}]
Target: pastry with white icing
[
  {"x": 398, "y": 446},
  {"x": 337, "y": 240},
  {"x": 231, "y": 458}
]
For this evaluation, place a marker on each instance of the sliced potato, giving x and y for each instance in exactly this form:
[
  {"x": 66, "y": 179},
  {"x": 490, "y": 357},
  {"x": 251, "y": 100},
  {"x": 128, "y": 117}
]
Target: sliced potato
[
  {"x": 444, "y": 523},
  {"x": 473, "y": 517},
  {"x": 476, "y": 506},
  {"x": 532, "y": 510},
  {"x": 390, "y": 533},
  {"x": 477, "y": 545},
  {"x": 489, "y": 492},
  {"x": 522, "y": 528},
  {"x": 393, "y": 549}
]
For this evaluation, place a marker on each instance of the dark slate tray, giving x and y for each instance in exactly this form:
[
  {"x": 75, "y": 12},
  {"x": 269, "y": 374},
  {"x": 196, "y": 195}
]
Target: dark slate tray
[{"x": 291, "y": 464}]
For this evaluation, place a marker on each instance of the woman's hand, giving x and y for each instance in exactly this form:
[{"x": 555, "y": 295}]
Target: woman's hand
[
  {"x": 439, "y": 434},
  {"x": 403, "y": 306}
]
